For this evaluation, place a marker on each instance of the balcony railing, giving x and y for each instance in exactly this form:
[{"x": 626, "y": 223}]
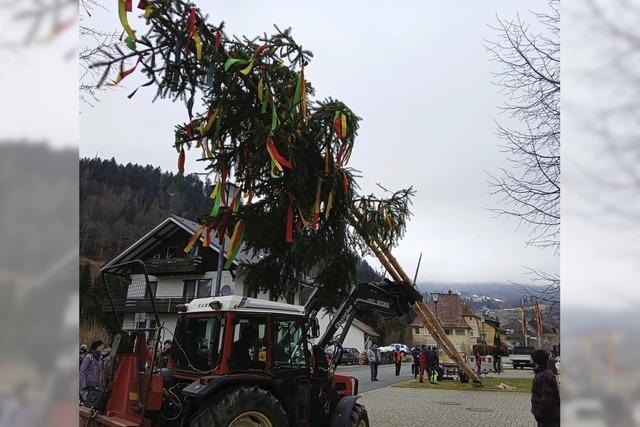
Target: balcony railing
[{"x": 170, "y": 266}]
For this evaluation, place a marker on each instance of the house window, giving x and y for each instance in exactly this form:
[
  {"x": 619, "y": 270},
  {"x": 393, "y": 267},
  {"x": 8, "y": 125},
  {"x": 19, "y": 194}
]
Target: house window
[
  {"x": 447, "y": 331},
  {"x": 417, "y": 331},
  {"x": 153, "y": 285},
  {"x": 471, "y": 332},
  {"x": 196, "y": 289},
  {"x": 172, "y": 252}
]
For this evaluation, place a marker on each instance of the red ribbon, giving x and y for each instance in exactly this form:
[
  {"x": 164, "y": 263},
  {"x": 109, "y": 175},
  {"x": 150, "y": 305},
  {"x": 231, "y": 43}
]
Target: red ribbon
[
  {"x": 189, "y": 130},
  {"x": 337, "y": 124},
  {"x": 181, "y": 157},
  {"x": 289, "y": 230},
  {"x": 271, "y": 147},
  {"x": 128, "y": 5},
  {"x": 218, "y": 39},
  {"x": 191, "y": 22}
]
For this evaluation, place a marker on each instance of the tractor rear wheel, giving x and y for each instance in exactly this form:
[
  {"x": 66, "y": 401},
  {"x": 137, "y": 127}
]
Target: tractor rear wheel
[
  {"x": 241, "y": 406},
  {"x": 358, "y": 417}
]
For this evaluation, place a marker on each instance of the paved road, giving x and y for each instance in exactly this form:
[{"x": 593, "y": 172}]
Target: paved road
[
  {"x": 409, "y": 407},
  {"x": 386, "y": 375}
]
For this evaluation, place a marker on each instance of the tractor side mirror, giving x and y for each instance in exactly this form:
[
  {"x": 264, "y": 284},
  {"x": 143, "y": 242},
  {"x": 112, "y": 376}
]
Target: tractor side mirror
[{"x": 313, "y": 328}]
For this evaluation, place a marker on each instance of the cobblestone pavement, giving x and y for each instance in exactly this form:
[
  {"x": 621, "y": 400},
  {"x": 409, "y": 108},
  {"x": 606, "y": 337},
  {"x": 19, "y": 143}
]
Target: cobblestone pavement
[{"x": 407, "y": 407}]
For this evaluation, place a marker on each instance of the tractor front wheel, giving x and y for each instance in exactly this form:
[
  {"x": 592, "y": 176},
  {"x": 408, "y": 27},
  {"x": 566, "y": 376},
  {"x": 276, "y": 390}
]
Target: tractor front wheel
[
  {"x": 358, "y": 417},
  {"x": 241, "y": 406}
]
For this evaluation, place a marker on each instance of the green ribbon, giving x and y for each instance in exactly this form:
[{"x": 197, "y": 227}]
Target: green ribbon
[
  {"x": 231, "y": 61},
  {"x": 233, "y": 254},
  {"x": 130, "y": 43},
  {"x": 274, "y": 118}
]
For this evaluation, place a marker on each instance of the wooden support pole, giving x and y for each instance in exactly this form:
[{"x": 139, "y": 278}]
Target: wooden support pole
[{"x": 421, "y": 308}]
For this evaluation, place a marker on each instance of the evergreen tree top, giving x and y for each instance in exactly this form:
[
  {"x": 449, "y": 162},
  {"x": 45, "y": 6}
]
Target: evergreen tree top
[{"x": 255, "y": 122}]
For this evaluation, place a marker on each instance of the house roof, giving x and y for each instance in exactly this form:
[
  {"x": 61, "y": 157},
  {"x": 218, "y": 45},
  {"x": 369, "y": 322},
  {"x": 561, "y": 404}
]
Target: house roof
[
  {"x": 450, "y": 309},
  {"x": 167, "y": 228},
  {"x": 365, "y": 328}
]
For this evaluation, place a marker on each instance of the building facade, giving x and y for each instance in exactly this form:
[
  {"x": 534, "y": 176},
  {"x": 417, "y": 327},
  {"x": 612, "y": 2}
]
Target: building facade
[{"x": 176, "y": 277}]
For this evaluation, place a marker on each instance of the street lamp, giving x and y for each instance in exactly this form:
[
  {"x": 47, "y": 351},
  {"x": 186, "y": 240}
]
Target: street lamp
[
  {"x": 484, "y": 336},
  {"x": 435, "y": 297}
]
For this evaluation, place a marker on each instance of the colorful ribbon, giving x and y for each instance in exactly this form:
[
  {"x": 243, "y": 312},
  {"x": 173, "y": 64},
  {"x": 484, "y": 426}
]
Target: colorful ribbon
[
  {"x": 217, "y": 197},
  {"x": 198, "y": 41},
  {"x": 316, "y": 206},
  {"x": 276, "y": 157},
  {"x": 124, "y": 21},
  {"x": 236, "y": 243},
  {"x": 124, "y": 74},
  {"x": 288, "y": 235},
  {"x": 181, "y": 158},
  {"x": 194, "y": 238}
]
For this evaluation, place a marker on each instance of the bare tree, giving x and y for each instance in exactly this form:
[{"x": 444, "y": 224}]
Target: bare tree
[
  {"x": 530, "y": 189},
  {"x": 530, "y": 79}
]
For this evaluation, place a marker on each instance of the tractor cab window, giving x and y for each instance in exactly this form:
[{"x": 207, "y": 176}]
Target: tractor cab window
[
  {"x": 249, "y": 349},
  {"x": 198, "y": 343},
  {"x": 288, "y": 347}
]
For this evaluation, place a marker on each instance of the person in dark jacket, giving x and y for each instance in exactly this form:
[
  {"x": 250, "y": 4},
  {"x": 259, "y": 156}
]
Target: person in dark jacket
[
  {"x": 83, "y": 352},
  {"x": 545, "y": 396},
  {"x": 415, "y": 367},
  {"x": 91, "y": 367},
  {"x": 497, "y": 359},
  {"x": 434, "y": 362}
]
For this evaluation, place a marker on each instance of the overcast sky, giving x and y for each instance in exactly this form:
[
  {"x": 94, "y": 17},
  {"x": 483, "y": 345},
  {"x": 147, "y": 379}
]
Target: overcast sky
[{"x": 420, "y": 78}]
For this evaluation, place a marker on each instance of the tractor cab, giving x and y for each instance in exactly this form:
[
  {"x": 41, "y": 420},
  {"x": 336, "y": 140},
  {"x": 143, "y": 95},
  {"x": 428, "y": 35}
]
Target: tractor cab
[
  {"x": 237, "y": 340},
  {"x": 232, "y": 334}
]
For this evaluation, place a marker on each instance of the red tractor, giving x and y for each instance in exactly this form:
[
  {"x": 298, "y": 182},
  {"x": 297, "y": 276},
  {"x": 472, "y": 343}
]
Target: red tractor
[{"x": 238, "y": 361}]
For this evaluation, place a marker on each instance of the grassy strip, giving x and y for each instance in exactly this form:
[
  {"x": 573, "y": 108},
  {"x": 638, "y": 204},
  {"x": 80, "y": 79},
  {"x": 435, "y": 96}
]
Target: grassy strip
[{"x": 522, "y": 385}]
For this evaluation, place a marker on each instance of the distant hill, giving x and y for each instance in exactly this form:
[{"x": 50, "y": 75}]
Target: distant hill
[
  {"x": 119, "y": 203},
  {"x": 493, "y": 295}
]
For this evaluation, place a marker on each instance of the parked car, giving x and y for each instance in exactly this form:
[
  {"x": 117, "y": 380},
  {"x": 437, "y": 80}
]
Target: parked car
[
  {"x": 521, "y": 357},
  {"x": 404, "y": 350},
  {"x": 350, "y": 356}
]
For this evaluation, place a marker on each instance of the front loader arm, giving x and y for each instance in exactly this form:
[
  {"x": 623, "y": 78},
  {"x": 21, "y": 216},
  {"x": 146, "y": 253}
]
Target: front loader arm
[{"x": 388, "y": 298}]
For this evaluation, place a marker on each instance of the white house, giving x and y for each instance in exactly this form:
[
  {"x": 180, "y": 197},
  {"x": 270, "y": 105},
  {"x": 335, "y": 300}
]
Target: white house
[{"x": 176, "y": 278}]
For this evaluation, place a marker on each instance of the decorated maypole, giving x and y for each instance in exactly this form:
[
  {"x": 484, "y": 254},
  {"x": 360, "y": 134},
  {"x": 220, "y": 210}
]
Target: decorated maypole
[{"x": 252, "y": 119}]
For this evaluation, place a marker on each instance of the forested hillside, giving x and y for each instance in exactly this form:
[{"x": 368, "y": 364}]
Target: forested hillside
[{"x": 120, "y": 203}]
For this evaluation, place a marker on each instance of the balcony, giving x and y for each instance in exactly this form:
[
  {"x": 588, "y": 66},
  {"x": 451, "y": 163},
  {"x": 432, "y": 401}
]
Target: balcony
[{"x": 175, "y": 266}]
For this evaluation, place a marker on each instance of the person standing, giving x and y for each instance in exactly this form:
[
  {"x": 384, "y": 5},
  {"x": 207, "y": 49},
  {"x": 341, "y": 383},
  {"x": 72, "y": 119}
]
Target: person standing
[
  {"x": 435, "y": 364},
  {"x": 545, "y": 396},
  {"x": 424, "y": 363},
  {"x": 415, "y": 367},
  {"x": 478, "y": 362},
  {"x": 497, "y": 360},
  {"x": 373, "y": 355},
  {"x": 397, "y": 359},
  {"x": 91, "y": 368},
  {"x": 83, "y": 352}
]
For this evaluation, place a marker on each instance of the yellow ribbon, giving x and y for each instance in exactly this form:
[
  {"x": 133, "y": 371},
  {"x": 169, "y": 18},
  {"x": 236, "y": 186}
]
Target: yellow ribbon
[
  {"x": 194, "y": 239},
  {"x": 248, "y": 68},
  {"x": 212, "y": 118},
  {"x": 198, "y": 42},
  {"x": 122, "y": 13}
]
